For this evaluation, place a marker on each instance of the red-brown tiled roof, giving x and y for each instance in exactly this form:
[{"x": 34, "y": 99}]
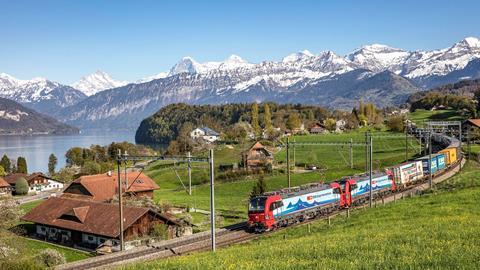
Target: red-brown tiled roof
[
  {"x": 12, "y": 178},
  {"x": 475, "y": 122},
  {"x": 93, "y": 217},
  {"x": 3, "y": 183},
  {"x": 104, "y": 187}
]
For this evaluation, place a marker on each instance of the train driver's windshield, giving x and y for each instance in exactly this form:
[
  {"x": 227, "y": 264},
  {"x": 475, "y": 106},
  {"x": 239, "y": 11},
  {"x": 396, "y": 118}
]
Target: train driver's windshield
[{"x": 257, "y": 204}]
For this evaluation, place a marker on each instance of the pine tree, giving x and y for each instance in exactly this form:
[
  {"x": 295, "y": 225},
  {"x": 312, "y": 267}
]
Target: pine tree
[
  {"x": 22, "y": 165},
  {"x": 268, "y": 119},
  {"x": 255, "y": 124},
  {"x": 52, "y": 163},
  {"x": 6, "y": 164}
]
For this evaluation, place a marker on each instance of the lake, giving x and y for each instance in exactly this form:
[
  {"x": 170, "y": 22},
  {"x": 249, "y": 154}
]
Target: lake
[{"x": 37, "y": 148}]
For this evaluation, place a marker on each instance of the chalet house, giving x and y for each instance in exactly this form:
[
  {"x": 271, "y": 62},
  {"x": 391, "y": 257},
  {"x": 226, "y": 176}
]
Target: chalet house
[
  {"x": 37, "y": 182},
  {"x": 88, "y": 224},
  {"x": 317, "y": 128},
  {"x": 104, "y": 187},
  {"x": 205, "y": 133},
  {"x": 5, "y": 188},
  {"x": 257, "y": 156}
]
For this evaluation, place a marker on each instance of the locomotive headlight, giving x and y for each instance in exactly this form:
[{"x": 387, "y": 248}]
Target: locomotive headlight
[{"x": 267, "y": 217}]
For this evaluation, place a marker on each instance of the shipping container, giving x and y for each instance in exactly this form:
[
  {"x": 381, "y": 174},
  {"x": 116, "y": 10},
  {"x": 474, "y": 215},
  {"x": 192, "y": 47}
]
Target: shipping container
[
  {"x": 450, "y": 155},
  {"x": 407, "y": 173},
  {"x": 437, "y": 163}
]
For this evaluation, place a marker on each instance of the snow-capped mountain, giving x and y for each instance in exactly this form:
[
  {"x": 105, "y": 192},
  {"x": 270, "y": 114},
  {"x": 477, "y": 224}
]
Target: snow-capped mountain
[
  {"x": 96, "y": 82},
  {"x": 375, "y": 73},
  {"x": 39, "y": 93}
]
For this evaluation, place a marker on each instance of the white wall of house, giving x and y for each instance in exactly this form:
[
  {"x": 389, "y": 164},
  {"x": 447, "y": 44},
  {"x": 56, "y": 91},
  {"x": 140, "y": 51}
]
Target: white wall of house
[
  {"x": 93, "y": 239},
  {"x": 197, "y": 133},
  {"x": 52, "y": 185}
]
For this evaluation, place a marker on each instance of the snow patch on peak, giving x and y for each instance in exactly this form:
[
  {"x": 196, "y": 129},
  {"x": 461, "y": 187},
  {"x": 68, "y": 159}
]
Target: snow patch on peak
[
  {"x": 97, "y": 82},
  {"x": 471, "y": 42},
  {"x": 186, "y": 65},
  {"x": 297, "y": 56},
  {"x": 235, "y": 59},
  {"x": 160, "y": 75}
]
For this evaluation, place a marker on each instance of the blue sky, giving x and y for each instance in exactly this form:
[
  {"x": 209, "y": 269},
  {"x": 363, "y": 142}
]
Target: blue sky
[{"x": 65, "y": 40}]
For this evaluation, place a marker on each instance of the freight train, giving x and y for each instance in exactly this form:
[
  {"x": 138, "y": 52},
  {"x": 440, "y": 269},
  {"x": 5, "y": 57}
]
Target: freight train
[{"x": 281, "y": 208}]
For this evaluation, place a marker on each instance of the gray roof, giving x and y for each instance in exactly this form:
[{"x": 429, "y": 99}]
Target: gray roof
[{"x": 209, "y": 132}]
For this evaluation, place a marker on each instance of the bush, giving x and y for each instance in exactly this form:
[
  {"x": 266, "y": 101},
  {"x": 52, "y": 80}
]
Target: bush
[
  {"x": 396, "y": 123},
  {"x": 159, "y": 230},
  {"x": 21, "y": 186},
  {"x": 50, "y": 257}
]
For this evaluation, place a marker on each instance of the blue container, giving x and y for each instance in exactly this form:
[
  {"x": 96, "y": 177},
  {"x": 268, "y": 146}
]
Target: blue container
[{"x": 438, "y": 163}]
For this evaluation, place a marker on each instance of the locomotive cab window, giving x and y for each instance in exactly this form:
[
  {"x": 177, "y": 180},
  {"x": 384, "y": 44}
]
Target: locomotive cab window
[
  {"x": 257, "y": 204},
  {"x": 276, "y": 205},
  {"x": 354, "y": 186},
  {"x": 336, "y": 191}
]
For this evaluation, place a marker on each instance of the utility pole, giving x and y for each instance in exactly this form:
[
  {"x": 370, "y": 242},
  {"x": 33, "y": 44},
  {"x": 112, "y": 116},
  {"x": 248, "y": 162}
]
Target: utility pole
[
  {"x": 212, "y": 200},
  {"x": 288, "y": 163},
  {"x": 189, "y": 174},
  {"x": 366, "y": 152},
  {"x": 406, "y": 142},
  {"x": 294, "y": 160},
  {"x": 125, "y": 163},
  {"x": 468, "y": 142},
  {"x": 430, "y": 178},
  {"x": 351, "y": 153},
  {"x": 120, "y": 199},
  {"x": 370, "y": 167}
]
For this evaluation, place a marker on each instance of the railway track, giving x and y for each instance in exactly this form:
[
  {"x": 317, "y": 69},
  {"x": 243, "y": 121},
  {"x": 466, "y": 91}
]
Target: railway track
[{"x": 226, "y": 236}]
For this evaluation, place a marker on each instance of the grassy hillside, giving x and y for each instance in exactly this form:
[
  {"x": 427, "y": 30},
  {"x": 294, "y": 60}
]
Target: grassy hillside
[
  {"x": 420, "y": 116},
  {"x": 438, "y": 230}
]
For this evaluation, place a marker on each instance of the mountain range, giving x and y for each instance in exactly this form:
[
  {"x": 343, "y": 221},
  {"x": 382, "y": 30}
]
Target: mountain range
[
  {"x": 375, "y": 73},
  {"x": 16, "y": 119}
]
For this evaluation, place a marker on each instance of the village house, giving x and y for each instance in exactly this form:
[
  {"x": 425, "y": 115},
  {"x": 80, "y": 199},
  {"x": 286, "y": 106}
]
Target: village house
[
  {"x": 257, "y": 156},
  {"x": 340, "y": 126},
  {"x": 205, "y": 133},
  {"x": 104, "y": 187},
  {"x": 37, "y": 182},
  {"x": 5, "y": 188},
  {"x": 317, "y": 128},
  {"x": 89, "y": 224}
]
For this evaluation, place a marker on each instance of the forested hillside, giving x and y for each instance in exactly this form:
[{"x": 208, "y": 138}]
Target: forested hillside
[{"x": 166, "y": 124}]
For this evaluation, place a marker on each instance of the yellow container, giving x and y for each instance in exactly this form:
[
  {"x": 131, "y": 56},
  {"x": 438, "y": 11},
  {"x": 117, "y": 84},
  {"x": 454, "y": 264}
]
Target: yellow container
[{"x": 450, "y": 154}]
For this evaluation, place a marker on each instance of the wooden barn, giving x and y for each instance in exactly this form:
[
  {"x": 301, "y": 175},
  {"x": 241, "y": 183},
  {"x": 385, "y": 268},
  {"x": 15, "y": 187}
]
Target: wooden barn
[
  {"x": 257, "y": 156},
  {"x": 88, "y": 224}
]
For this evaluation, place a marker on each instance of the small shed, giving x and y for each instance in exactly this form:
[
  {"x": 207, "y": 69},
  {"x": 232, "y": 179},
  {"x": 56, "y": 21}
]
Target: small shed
[{"x": 257, "y": 156}]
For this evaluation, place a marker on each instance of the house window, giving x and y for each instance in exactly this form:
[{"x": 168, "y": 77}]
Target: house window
[{"x": 90, "y": 238}]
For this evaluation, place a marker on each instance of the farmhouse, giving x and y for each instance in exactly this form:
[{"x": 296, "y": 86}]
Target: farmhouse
[
  {"x": 205, "y": 133},
  {"x": 37, "y": 182},
  {"x": 104, "y": 187},
  {"x": 5, "y": 188},
  {"x": 88, "y": 224},
  {"x": 257, "y": 156},
  {"x": 317, "y": 128}
]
